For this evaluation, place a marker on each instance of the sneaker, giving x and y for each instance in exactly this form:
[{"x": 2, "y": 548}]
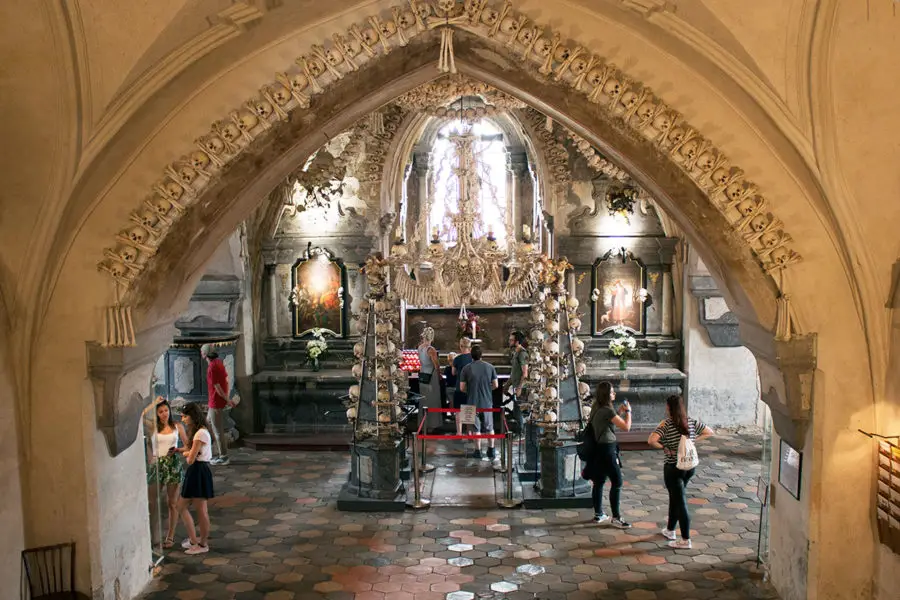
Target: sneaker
[
  {"x": 490, "y": 453},
  {"x": 680, "y": 544},
  {"x": 198, "y": 549},
  {"x": 477, "y": 455},
  {"x": 601, "y": 518},
  {"x": 223, "y": 460},
  {"x": 668, "y": 533},
  {"x": 186, "y": 543},
  {"x": 621, "y": 524},
  {"x": 215, "y": 460}
]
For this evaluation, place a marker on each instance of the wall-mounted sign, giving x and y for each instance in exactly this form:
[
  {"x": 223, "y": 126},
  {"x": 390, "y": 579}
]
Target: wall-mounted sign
[{"x": 790, "y": 469}]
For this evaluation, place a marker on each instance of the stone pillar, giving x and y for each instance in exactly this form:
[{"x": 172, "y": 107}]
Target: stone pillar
[
  {"x": 420, "y": 164},
  {"x": 667, "y": 304},
  {"x": 272, "y": 305},
  {"x": 561, "y": 473},
  {"x": 521, "y": 194}
]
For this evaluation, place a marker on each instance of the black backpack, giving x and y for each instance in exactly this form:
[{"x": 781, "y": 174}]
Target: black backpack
[{"x": 587, "y": 443}]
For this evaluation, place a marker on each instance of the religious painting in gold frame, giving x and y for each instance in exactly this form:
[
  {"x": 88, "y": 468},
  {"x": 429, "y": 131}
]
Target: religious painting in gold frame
[
  {"x": 618, "y": 278},
  {"x": 318, "y": 294}
]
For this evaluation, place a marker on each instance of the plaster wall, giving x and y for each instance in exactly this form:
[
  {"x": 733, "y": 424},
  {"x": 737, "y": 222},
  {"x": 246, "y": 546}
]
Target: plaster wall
[
  {"x": 11, "y": 517},
  {"x": 723, "y": 383}
]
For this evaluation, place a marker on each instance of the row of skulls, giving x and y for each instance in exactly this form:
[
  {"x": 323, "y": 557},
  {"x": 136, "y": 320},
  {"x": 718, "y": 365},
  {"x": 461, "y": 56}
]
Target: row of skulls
[{"x": 549, "y": 363}]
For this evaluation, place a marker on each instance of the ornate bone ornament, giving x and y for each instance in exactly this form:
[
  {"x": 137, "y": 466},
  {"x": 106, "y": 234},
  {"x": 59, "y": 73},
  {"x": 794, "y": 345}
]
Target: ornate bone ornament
[{"x": 545, "y": 53}]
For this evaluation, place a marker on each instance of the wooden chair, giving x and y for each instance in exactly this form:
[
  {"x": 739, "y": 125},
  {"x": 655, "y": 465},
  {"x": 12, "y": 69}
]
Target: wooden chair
[{"x": 50, "y": 573}]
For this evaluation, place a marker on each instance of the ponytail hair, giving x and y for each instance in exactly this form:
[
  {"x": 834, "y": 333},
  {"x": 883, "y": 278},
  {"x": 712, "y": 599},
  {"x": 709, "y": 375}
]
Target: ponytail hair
[
  {"x": 678, "y": 414},
  {"x": 603, "y": 397}
]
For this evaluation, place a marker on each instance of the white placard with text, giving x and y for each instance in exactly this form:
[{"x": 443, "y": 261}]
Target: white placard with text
[{"x": 467, "y": 414}]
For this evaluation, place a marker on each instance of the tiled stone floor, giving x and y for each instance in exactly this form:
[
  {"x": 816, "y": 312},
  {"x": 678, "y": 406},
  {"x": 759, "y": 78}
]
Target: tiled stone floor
[{"x": 277, "y": 535}]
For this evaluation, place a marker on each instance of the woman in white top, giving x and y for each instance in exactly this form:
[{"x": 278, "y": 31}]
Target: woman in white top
[
  {"x": 198, "y": 483},
  {"x": 429, "y": 380},
  {"x": 166, "y": 469}
]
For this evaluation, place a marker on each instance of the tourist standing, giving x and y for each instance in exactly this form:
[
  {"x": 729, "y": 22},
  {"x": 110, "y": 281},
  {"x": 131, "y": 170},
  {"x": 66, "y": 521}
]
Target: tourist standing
[
  {"x": 197, "y": 487},
  {"x": 605, "y": 463},
  {"x": 429, "y": 380},
  {"x": 668, "y": 437},
  {"x": 519, "y": 362},
  {"x": 459, "y": 363},
  {"x": 166, "y": 469},
  {"x": 217, "y": 390},
  {"x": 478, "y": 380}
]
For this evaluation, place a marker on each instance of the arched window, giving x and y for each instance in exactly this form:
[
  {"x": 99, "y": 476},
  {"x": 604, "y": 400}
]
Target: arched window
[{"x": 490, "y": 164}]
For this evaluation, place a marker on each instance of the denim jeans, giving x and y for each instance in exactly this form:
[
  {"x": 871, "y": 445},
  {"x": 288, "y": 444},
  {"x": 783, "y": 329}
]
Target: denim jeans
[
  {"x": 676, "y": 482},
  {"x": 606, "y": 466}
]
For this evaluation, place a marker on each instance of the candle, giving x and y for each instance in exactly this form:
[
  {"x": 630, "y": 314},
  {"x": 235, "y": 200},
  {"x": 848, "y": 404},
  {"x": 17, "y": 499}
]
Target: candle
[
  {"x": 434, "y": 232},
  {"x": 474, "y": 335},
  {"x": 526, "y": 231}
]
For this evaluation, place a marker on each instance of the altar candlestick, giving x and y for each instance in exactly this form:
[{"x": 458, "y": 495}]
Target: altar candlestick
[
  {"x": 474, "y": 335},
  {"x": 526, "y": 231}
]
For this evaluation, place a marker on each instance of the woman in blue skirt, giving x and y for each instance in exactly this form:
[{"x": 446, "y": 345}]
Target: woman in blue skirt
[{"x": 197, "y": 487}]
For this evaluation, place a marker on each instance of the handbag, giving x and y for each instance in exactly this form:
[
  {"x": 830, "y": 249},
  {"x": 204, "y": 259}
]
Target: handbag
[{"x": 425, "y": 377}]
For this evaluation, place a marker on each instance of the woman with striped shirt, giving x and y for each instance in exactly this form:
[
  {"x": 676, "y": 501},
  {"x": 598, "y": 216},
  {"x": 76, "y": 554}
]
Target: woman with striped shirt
[{"x": 667, "y": 437}]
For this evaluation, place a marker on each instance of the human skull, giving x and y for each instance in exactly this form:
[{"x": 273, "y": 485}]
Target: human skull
[
  {"x": 508, "y": 26},
  {"x": 489, "y": 17},
  {"x": 574, "y": 324},
  {"x": 689, "y": 150},
  {"x": 383, "y": 395},
  {"x": 759, "y": 223},
  {"x": 263, "y": 108},
  {"x": 562, "y": 53},
  {"x": 780, "y": 256},
  {"x": 161, "y": 205},
  {"x": 369, "y": 36},
  {"x": 406, "y": 19},
  {"x": 280, "y": 94},
  {"x": 552, "y": 327},
  {"x": 646, "y": 110},
  {"x": 357, "y": 370},
  {"x": 351, "y": 413},
  {"x": 127, "y": 253},
  {"x": 578, "y": 66},
  {"x": 299, "y": 82},
  {"x": 229, "y": 132},
  {"x": 706, "y": 160},
  {"x": 526, "y": 35},
  {"x": 117, "y": 269},
  {"x": 577, "y": 346},
  {"x": 214, "y": 144},
  {"x": 359, "y": 350},
  {"x": 147, "y": 219},
  {"x": 138, "y": 235},
  {"x": 173, "y": 189},
  {"x": 662, "y": 122},
  {"x": 354, "y": 391},
  {"x": 613, "y": 87},
  {"x": 735, "y": 190},
  {"x": 584, "y": 390},
  {"x": 551, "y": 305},
  {"x": 572, "y": 302},
  {"x": 186, "y": 174},
  {"x": 676, "y": 135},
  {"x": 388, "y": 28},
  {"x": 720, "y": 176},
  {"x": 381, "y": 352},
  {"x": 446, "y": 5},
  {"x": 629, "y": 99},
  {"x": 595, "y": 76},
  {"x": 199, "y": 160},
  {"x": 551, "y": 393},
  {"x": 246, "y": 120},
  {"x": 770, "y": 239},
  {"x": 550, "y": 416},
  {"x": 747, "y": 207},
  {"x": 580, "y": 369}
]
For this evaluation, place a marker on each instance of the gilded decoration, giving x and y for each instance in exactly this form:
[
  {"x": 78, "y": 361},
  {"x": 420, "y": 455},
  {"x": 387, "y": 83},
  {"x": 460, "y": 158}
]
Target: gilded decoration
[
  {"x": 545, "y": 53},
  {"x": 317, "y": 296}
]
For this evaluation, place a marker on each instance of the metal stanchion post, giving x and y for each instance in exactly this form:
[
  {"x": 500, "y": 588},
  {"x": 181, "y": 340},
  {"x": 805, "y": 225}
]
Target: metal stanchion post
[
  {"x": 509, "y": 501},
  {"x": 501, "y": 468},
  {"x": 418, "y": 502},
  {"x": 425, "y": 466}
]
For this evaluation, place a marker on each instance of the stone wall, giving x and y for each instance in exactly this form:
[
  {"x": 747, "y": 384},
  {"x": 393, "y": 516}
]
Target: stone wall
[{"x": 722, "y": 383}]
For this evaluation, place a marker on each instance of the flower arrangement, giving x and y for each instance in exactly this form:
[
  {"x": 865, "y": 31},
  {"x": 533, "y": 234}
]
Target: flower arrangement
[
  {"x": 623, "y": 345},
  {"x": 316, "y": 347},
  {"x": 621, "y": 201}
]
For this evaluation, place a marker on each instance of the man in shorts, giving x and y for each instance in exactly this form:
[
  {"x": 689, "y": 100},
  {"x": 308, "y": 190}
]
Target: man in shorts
[{"x": 478, "y": 380}]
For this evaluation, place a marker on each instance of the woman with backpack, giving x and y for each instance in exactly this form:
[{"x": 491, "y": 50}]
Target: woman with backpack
[
  {"x": 604, "y": 462},
  {"x": 675, "y": 436}
]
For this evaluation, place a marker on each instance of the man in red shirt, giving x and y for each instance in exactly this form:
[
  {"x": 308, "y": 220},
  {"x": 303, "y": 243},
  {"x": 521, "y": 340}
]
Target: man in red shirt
[{"x": 217, "y": 387}]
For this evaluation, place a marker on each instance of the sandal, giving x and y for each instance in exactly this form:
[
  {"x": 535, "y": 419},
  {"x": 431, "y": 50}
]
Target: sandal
[{"x": 168, "y": 543}]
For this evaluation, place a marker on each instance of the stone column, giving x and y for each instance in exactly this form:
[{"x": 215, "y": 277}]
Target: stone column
[
  {"x": 521, "y": 194},
  {"x": 272, "y": 317},
  {"x": 420, "y": 164},
  {"x": 667, "y": 303}
]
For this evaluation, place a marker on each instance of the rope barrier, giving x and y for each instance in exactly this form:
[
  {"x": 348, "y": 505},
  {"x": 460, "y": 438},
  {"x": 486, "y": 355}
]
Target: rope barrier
[{"x": 470, "y": 436}]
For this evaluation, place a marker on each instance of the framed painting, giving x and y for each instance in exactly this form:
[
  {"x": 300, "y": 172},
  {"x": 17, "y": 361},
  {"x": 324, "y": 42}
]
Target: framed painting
[
  {"x": 318, "y": 293},
  {"x": 618, "y": 280},
  {"x": 790, "y": 468}
]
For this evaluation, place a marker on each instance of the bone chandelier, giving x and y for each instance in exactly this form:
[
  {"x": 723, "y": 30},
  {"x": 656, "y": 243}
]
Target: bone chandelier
[{"x": 470, "y": 271}]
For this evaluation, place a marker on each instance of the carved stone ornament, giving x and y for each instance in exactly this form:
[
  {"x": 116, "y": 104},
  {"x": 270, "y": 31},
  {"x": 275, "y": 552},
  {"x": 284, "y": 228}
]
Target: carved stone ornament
[
  {"x": 789, "y": 389},
  {"x": 440, "y": 93},
  {"x": 545, "y": 53},
  {"x": 119, "y": 376}
]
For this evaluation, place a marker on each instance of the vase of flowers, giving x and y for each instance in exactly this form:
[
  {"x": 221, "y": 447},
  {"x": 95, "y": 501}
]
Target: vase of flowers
[
  {"x": 316, "y": 349},
  {"x": 623, "y": 346}
]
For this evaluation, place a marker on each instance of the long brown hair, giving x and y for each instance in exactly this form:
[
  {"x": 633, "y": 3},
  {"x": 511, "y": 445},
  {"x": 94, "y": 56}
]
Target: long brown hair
[
  {"x": 603, "y": 396},
  {"x": 678, "y": 414},
  {"x": 192, "y": 410},
  {"x": 159, "y": 424}
]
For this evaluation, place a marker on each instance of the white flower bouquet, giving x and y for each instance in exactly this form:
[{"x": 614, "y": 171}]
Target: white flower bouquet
[
  {"x": 623, "y": 344},
  {"x": 316, "y": 347}
]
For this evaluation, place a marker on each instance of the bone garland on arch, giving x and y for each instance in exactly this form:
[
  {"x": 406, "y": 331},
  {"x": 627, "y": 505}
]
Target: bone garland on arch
[
  {"x": 542, "y": 52},
  {"x": 445, "y": 90},
  {"x": 555, "y": 153},
  {"x": 377, "y": 140}
]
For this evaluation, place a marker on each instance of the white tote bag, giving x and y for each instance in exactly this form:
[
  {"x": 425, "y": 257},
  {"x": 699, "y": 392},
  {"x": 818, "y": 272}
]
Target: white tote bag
[{"x": 687, "y": 454}]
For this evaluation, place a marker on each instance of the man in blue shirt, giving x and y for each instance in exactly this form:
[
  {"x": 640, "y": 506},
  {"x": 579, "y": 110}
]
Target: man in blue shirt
[{"x": 478, "y": 379}]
